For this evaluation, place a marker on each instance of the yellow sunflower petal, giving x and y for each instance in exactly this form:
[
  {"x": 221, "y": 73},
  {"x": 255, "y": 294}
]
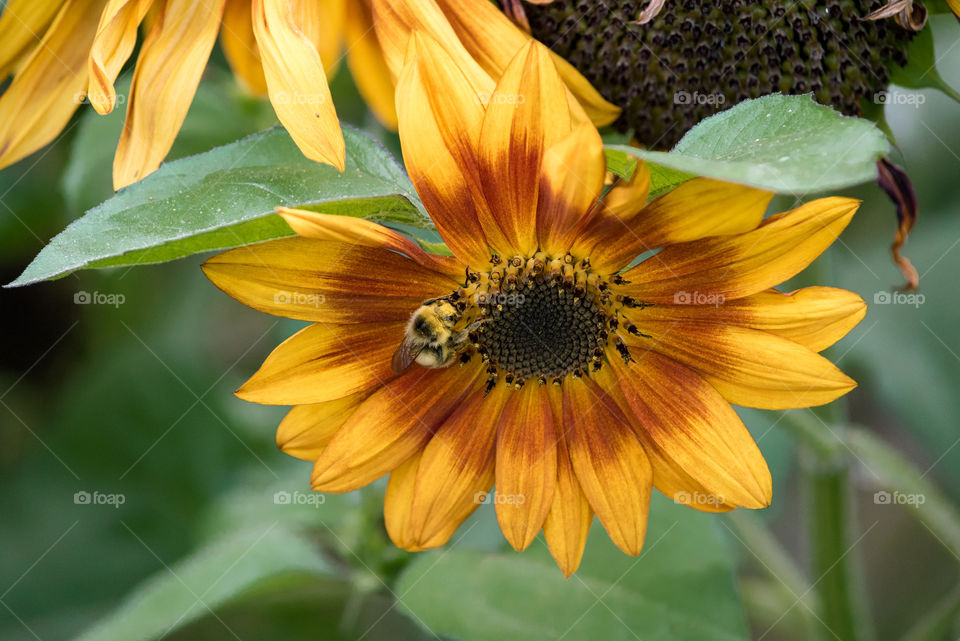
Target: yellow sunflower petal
[
  {"x": 955, "y": 6},
  {"x": 240, "y": 46},
  {"x": 306, "y": 429},
  {"x": 397, "y": 20},
  {"x": 22, "y": 25},
  {"x": 358, "y": 231},
  {"x": 396, "y": 507},
  {"x": 50, "y": 84},
  {"x": 296, "y": 81},
  {"x": 367, "y": 66},
  {"x": 325, "y": 281},
  {"x": 322, "y": 22},
  {"x": 815, "y": 317},
  {"x": 627, "y": 198},
  {"x": 396, "y": 502},
  {"x": 729, "y": 267},
  {"x": 668, "y": 477},
  {"x": 525, "y": 117},
  {"x": 698, "y": 208},
  {"x": 456, "y": 469},
  {"x": 440, "y": 118},
  {"x": 749, "y": 367},
  {"x": 570, "y": 183},
  {"x": 116, "y": 37},
  {"x": 493, "y": 40},
  {"x": 694, "y": 426},
  {"x": 610, "y": 463},
  {"x": 389, "y": 427},
  {"x": 568, "y": 522},
  {"x": 324, "y": 362},
  {"x": 168, "y": 71},
  {"x": 526, "y": 465}
]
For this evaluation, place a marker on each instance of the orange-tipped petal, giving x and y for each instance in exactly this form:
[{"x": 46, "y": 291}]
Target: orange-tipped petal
[
  {"x": 367, "y": 66},
  {"x": 526, "y": 465},
  {"x": 440, "y": 117},
  {"x": 325, "y": 281},
  {"x": 324, "y": 362},
  {"x": 456, "y": 470},
  {"x": 116, "y": 37},
  {"x": 296, "y": 80},
  {"x": 568, "y": 522},
  {"x": 695, "y": 427},
  {"x": 729, "y": 267},
  {"x": 525, "y": 117},
  {"x": 306, "y": 429},
  {"x": 50, "y": 84},
  {"x": 748, "y": 367},
  {"x": 610, "y": 462},
  {"x": 389, "y": 427},
  {"x": 22, "y": 25},
  {"x": 240, "y": 46},
  {"x": 358, "y": 231},
  {"x": 169, "y": 67}
]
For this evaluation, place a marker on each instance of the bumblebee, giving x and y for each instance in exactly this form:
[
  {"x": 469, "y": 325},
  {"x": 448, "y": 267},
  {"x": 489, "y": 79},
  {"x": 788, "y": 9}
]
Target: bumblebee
[{"x": 430, "y": 339}]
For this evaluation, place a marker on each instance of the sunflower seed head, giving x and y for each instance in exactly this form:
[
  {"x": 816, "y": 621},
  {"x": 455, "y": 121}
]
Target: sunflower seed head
[{"x": 697, "y": 58}]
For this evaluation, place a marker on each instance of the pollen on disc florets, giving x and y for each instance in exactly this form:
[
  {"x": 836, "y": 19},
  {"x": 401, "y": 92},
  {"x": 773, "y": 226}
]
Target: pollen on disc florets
[
  {"x": 697, "y": 58},
  {"x": 538, "y": 318}
]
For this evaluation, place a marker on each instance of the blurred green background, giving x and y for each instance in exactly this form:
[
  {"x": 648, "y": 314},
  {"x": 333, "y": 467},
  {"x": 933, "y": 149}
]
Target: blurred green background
[{"x": 131, "y": 401}]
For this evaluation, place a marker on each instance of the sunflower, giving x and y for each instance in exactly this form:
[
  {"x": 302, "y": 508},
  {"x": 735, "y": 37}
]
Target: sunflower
[
  {"x": 572, "y": 381},
  {"x": 284, "y": 49}
]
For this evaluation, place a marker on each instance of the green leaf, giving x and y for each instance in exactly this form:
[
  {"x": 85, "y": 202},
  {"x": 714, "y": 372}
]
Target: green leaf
[
  {"x": 225, "y": 198},
  {"x": 680, "y": 588},
  {"x": 244, "y": 565},
  {"x": 787, "y": 144},
  {"x": 620, "y": 164},
  {"x": 920, "y": 71}
]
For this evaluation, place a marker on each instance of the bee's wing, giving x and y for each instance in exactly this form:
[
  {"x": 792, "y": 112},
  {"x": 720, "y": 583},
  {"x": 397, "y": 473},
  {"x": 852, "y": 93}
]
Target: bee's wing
[{"x": 405, "y": 354}]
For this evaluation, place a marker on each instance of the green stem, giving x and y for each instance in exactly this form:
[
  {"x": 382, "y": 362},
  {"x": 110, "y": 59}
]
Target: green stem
[{"x": 829, "y": 497}]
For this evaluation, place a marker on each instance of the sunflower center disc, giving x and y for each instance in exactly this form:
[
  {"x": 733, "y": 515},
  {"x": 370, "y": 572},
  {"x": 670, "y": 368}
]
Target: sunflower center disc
[{"x": 542, "y": 329}]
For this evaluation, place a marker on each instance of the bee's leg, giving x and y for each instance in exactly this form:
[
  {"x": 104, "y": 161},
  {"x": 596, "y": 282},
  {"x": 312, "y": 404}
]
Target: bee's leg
[{"x": 461, "y": 338}]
